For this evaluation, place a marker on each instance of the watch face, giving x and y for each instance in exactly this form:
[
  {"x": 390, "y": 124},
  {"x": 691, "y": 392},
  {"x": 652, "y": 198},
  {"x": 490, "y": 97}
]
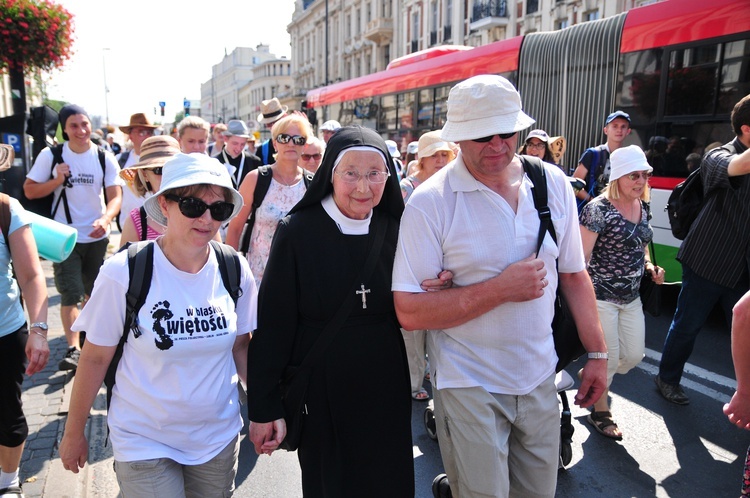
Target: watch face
[{"x": 40, "y": 325}]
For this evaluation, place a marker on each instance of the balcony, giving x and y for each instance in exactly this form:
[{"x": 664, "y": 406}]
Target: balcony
[
  {"x": 379, "y": 31},
  {"x": 489, "y": 14}
]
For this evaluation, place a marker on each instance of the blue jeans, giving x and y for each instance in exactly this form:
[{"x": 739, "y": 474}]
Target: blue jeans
[{"x": 697, "y": 298}]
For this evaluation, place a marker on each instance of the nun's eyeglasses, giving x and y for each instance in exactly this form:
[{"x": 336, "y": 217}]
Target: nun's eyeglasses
[
  {"x": 283, "y": 138},
  {"x": 351, "y": 177}
]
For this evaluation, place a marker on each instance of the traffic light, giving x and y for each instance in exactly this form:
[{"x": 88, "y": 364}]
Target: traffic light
[{"x": 162, "y": 105}]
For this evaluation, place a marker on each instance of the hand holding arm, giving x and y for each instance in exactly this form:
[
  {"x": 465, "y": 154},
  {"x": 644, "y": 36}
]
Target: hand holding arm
[{"x": 267, "y": 436}]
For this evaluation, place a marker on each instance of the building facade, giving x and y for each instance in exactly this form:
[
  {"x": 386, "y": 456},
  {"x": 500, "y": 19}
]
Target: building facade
[{"x": 335, "y": 40}]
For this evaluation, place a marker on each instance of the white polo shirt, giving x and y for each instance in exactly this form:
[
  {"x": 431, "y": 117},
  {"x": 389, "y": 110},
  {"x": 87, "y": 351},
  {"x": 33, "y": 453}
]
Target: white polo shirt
[{"x": 454, "y": 222}]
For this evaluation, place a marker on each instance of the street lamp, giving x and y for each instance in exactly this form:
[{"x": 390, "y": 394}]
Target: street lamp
[{"x": 106, "y": 89}]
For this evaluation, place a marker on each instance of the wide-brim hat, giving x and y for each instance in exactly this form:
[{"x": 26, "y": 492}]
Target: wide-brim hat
[
  {"x": 138, "y": 120},
  {"x": 271, "y": 111},
  {"x": 236, "y": 128},
  {"x": 431, "y": 143},
  {"x": 557, "y": 146},
  {"x": 481, "y": 106},
  {"x": 184, "y": 170},
  {"x": 155, "y": 151},
  {"x": 7, "y": 155},
  {"x": 626, "y": 160}
]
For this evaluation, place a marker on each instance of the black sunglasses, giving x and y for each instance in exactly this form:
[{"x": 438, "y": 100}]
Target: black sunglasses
[
  {"x": 283, "y": 138},
  {"x": 156, "y": 171},
  {"x": 192, "y": 207},
  {"x": 504, "y": 136}
]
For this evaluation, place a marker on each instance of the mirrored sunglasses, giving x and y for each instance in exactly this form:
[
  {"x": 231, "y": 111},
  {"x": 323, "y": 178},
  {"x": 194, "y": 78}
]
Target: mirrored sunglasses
[
  {"x": 192, "y": 207},
  {"x": 283, "y": 138},
  {"x": 504, "y": 136}
]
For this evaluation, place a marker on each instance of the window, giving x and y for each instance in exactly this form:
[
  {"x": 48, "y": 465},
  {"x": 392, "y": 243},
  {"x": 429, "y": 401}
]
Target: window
[
  {"x": 691, "y": 83},
  {"x": 415, "y": 26},
  {"x": 348, "y": 25},
  {"x": 405, "y": 105},
  {"x": 734, "y": 82},
  {"x": 532, "y": 6},
  {"x": 359, "y": 22},
  {"x": 387, "y": 116},
  {"x": 434, "y": 12},
  {"x": 562, "y": 24},
  {"x": 448, "y": 13},
  {"x": 424, "y": 114},
  {"x": 591, "y": 15}
]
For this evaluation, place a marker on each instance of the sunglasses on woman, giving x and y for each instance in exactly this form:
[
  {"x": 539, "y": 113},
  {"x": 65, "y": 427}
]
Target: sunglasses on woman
[
  {"x": 192, "y": 207},
  {"x": 156, "y": 171},
  {"x": 504, "y": 136},
  {"x": 283, "y": 138},
  {"x": 307, "y": 157},
  {"x": 635, "y": 176}
]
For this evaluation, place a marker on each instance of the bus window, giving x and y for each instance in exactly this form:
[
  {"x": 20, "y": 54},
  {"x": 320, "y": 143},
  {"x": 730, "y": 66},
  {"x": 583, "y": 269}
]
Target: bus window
[
  {"x": 405, "y": 104},
  {"x": 387, "y": 115},
  {"x": 735, "y": 83},
  {"x": 424, "y": 115},
  {"x": 441, "y": 106},
  {"x": 693, "y": 73}
]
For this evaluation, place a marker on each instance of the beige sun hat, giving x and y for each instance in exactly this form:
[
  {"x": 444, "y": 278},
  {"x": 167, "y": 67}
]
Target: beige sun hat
[
  {"x": 431, "y": 143},
  {"x": 138, "y": 119},
  {"x": 7, "y": 155},
  {"x": 271, "y": 111},
  {"x": 155, "y": 151}
]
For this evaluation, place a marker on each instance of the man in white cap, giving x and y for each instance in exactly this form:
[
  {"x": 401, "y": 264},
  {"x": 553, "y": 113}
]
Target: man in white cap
[
  {"x": 234, "y": 153},
  {"x": 270, "y": 112},
  {"x": 490, "y": 343},
  {"x": 329, "y": 128}
]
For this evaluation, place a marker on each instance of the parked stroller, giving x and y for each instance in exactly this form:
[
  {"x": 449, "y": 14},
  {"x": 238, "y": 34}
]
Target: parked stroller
[{"x": 563, "y": 382}]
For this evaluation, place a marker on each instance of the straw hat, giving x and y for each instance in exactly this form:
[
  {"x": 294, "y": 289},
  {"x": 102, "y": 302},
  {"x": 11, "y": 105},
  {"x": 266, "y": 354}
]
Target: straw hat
[
  {"x": 138, "y": 119},
  {"x": 271, "y": 111},
  {"x": 481, "y": 106},
  {"x": 184, "y": 170},
  {"x": 7, "y": 155},
  {"x": 155, "y": 151},
  {"x": 557, "y": 146}
]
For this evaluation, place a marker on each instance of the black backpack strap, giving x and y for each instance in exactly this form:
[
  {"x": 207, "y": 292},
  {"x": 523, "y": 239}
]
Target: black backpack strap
[
  {"x": 307, "y": 177},
  {"x": 57, "y": 158},
  {"x": 123, "y": 158},
  {"x": 534, "y": 168},
  {"x": 140, "y": 270},
  {"x": 229, "y": 268},
  {"x": 144, "y": 223},
  {"x": 261, "y": 189}
]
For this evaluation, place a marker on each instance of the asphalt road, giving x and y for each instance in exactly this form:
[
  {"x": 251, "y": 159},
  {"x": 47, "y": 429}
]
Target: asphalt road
[{"x": 667, "y": 450}]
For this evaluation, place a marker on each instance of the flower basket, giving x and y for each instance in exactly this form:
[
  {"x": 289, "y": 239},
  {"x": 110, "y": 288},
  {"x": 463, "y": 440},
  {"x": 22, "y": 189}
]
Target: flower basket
[{"x": 34, "y": 35}]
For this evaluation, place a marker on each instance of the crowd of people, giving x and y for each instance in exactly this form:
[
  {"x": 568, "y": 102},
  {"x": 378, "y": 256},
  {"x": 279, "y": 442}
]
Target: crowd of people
[{"x": 351, "y": 251}]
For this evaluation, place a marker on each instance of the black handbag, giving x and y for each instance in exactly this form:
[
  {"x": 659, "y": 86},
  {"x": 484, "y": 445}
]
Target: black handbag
[
  {"x": 294, "y": 384},
  {"x": 650, "y": 291},
  {"x": 568, "y": 344}
]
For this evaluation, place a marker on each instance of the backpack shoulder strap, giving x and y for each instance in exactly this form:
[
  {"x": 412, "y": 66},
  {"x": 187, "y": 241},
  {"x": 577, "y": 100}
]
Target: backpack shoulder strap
[
  {"x": 5, "y": 217},
  {"x": 307, "y": 177},
  {"x": 144, "y": 222},
  {"x": 262, "y": 185},
  {"x": 123, "y": 158},
  {"x": 534, "y": 167},
  {"x": 140, "y": 270},
  {"x": 102, "y": 163},
  {"x": 57, "y": 157},
  {"x": 229, "y": 268}
]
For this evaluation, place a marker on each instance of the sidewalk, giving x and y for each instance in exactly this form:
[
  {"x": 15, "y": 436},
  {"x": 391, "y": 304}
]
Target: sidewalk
[{"x": 46, "y": 396}]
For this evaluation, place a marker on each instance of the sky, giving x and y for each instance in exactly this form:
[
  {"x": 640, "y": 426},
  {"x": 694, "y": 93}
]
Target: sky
[{"x": 158, "y": 51}]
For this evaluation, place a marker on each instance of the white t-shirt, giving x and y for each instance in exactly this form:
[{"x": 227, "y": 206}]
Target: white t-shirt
[
  {"x": 454, "y": 222},
  {"x": 130, "y": 201},
  {"x": 85, "y": 198},
  {"x": 176, "y": 392}
]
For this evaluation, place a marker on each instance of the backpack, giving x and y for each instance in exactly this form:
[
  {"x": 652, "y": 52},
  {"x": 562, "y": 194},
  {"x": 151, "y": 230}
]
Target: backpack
[
  {"x": 686, "y": 201},
  {"x": 140, "y": 269},
  {"x": 568, "y": 344},
  {"x": 591, "y": 177},
  {"x": 261, "y": 189},
  {"x": 43, "y": 206}
]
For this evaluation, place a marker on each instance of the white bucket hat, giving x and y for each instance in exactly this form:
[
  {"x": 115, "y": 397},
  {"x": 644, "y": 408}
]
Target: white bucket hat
[
  {"x": 482, "y": 106},
  {"x": 626, "y": 160},
  {"x": 392, "y": 148},
  {"x": 184, "y": 170}
]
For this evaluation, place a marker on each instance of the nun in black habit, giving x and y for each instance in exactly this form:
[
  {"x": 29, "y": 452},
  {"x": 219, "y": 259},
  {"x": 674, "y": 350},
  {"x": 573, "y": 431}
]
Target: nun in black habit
[{"x": 356, "y": 439}]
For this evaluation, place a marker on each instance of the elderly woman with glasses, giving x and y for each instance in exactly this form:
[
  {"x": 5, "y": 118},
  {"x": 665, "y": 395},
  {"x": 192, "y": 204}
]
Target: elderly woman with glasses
[
  {"x": 331, "y": 262},
  {"x": 288, "y": 185},
  {"x": 174, "y": 417},
  {"x": 616, "y": 232}
]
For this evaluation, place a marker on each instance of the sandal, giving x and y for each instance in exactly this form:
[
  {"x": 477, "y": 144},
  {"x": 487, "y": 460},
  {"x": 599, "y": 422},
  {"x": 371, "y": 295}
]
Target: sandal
[
  {"x": 421, "y": 395},
  {"x": 601, "y": 421},
  {"x": 11, "y": 492}
]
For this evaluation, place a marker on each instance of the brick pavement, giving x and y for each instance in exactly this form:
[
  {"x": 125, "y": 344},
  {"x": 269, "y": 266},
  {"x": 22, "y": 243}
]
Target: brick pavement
[{"x": 45, "y": 397}]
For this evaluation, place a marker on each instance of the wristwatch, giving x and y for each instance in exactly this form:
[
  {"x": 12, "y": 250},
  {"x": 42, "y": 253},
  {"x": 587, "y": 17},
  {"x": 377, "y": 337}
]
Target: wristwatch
[
  {"x": 39, "y": 325},
  {"x": 598, "y": 356}
]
